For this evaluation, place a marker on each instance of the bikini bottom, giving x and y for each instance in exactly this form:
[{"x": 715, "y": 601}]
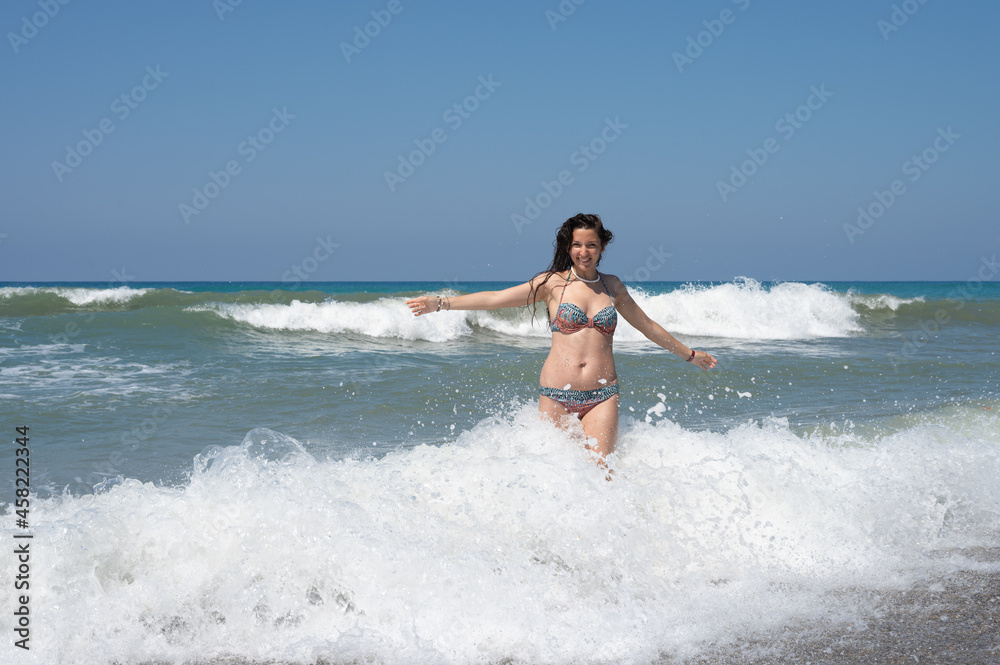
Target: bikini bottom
[{"x": 580, "y": 401}]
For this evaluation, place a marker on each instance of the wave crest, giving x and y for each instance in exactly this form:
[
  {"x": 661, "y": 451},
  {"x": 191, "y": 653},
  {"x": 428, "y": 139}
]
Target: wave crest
[
  {"x": 742, "y": 310},
  {"x": 383, "y": 318},
  {"x": 745, "y": 309}
]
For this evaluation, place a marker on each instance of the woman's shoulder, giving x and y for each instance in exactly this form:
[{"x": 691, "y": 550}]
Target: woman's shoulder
[
  {"x": 548, "y": 277},
  {"x": 615, "y": 285},
  {"x": 612, "y": 279}
]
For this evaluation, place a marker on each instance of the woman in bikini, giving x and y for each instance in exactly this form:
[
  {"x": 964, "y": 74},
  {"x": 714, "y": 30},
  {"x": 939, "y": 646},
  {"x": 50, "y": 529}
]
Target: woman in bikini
[{"x": 579, "y": 376}]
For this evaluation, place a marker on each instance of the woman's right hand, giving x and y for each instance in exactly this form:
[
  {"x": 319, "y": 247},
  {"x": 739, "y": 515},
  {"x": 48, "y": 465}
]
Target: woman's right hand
[
  {"x": 423, "y": 305},
  {"x": 703, "y": 360}
]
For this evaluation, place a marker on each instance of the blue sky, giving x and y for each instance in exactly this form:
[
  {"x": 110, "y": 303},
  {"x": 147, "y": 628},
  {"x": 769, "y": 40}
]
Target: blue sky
[{"x": 716, "y": 139}]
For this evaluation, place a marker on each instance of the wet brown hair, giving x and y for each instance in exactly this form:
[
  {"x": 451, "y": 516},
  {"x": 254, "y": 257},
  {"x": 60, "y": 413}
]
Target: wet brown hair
[{"x": 564, "y": 238}]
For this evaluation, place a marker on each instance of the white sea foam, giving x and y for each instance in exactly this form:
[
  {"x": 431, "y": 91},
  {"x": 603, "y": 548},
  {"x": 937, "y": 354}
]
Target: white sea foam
[
  {"x": 41, "y": 349},
  {"x": 383, "y": 318},
  {"x": 507, "y": 543},
  {"x": 91, "y": 375},
  {"x": 741, "y": 310},
  {"x": 746, "y": 310},
  {"x": 77, "y": 295}
]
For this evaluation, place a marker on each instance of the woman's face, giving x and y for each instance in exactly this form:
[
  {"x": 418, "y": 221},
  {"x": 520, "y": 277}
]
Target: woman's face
[{"x": 585, "y": 249}]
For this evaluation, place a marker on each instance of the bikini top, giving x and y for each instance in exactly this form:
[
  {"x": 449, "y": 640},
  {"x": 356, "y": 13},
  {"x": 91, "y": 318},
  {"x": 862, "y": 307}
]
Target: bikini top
[{"x": 570, "y": 318}]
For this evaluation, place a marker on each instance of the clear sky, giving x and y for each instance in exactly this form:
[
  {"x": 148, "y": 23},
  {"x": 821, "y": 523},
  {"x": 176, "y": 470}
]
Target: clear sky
[{"x": 240, "y": 140}]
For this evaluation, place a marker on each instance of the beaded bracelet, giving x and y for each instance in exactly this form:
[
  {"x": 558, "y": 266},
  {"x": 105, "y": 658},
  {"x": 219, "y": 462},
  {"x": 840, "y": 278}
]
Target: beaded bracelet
[{"x": 439, "y": 304}]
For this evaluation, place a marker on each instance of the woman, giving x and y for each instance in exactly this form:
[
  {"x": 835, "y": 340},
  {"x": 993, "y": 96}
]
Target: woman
[{"x": 579, "y": 375}]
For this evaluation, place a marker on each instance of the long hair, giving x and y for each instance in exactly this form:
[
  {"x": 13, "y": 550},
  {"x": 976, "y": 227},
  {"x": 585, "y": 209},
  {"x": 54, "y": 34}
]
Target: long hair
[{"x": 564, "y": 238}]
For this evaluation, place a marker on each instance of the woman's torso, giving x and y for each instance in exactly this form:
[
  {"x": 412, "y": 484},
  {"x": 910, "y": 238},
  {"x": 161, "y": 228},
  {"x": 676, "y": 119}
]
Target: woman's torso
[{"x": 583, "y": 358}]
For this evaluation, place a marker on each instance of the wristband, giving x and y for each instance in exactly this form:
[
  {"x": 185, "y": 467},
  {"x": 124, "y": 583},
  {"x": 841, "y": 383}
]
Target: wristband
[{"x": 692, "y": 356}]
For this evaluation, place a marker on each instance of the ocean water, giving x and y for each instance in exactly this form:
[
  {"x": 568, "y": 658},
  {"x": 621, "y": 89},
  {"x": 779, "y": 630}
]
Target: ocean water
[{"x": 239, "y": 472}]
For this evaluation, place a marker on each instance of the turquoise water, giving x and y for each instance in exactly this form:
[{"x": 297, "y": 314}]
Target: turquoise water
[{"x": 332, "y": 475}]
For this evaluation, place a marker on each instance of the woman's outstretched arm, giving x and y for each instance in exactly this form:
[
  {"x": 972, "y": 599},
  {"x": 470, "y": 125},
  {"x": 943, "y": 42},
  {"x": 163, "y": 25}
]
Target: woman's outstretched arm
[
  {"x": 512, "y": 297},
  {"x": 653, "y": 331}
]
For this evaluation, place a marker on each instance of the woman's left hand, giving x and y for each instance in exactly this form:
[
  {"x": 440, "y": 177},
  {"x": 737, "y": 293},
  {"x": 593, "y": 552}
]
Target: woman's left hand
[
  {"x": 423, "y": 305},
  {"x": 703, "y": 360}
]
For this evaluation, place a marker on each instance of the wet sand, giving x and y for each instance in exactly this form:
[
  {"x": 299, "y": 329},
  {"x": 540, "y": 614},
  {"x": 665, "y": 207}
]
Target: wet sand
[{"x": 950, "y": 621}]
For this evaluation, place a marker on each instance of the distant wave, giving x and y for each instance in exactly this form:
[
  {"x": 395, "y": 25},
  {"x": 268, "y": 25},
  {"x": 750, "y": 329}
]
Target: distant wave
[
  {"x": 915, "y": 311},
  {"x": 875, "y": 301},
  {"x": 743, "y": 309},
  {"x": 388, "y": 317},
  {"x": 46, "y": 300},
  {"x": 76, "y": 295}
]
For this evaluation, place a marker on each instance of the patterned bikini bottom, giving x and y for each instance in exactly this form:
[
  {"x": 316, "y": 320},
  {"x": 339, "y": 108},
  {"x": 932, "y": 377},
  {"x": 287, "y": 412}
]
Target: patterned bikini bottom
[{"x": 580, "y": 401}]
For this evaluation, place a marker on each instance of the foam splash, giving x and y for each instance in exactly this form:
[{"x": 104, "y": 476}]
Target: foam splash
[{"x": 507, "y": 543}]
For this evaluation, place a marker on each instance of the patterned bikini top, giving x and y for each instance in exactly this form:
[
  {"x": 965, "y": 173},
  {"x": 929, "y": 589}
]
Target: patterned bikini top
[{"x": 570, "y": 318}]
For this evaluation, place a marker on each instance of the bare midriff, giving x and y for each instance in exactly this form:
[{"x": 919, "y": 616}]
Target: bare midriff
[{"x": 580, "y": 360}]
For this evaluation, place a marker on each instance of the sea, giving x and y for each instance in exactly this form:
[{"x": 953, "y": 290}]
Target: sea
[{"x": 235, "y": 473}]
